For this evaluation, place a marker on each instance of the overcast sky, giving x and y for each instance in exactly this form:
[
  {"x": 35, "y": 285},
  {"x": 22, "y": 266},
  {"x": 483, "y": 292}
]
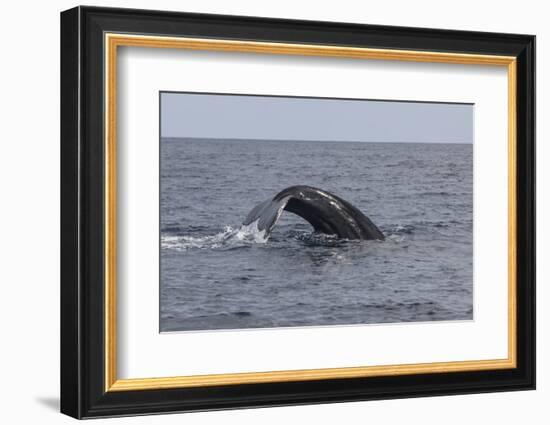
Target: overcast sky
[{"x": 288, "y": 118}]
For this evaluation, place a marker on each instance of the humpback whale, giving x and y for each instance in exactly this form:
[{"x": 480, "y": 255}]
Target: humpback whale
[{"x": 327, "y": 213}]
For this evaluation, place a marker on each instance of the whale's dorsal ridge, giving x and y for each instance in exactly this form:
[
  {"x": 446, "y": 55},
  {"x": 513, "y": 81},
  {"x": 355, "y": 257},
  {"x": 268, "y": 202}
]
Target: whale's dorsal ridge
[{"x": 326, "y": 212}]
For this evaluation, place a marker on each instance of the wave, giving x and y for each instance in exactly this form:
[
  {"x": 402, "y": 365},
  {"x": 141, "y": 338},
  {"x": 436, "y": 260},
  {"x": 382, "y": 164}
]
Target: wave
[
  {"x": 230, "y": 238},
  {"x": 193, "y": 237},
  {"x": 248, "y": 235},
  {"x": 227, "y": 238},
  {"x": 320, "y": 239}
]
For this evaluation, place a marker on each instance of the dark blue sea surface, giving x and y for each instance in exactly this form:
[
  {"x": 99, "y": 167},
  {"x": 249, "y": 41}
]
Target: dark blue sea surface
[{"x": 214, "y": 275}]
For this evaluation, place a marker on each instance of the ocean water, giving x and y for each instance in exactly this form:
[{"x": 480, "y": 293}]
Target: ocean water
[{"x": 215, "y": 275}]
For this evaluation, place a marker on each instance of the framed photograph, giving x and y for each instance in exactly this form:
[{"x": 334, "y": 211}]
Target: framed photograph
[{"x": 261, "y": 212}]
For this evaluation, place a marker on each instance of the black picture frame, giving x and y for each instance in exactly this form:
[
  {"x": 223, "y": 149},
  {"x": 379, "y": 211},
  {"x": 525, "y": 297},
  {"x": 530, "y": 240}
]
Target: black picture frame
[{"x": 83, "y": 392}]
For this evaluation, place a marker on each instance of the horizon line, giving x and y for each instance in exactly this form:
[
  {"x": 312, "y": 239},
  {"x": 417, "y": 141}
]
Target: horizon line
[{"x": 314, "y": 140}]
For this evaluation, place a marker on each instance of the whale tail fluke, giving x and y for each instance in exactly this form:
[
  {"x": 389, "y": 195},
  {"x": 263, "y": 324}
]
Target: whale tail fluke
[{"x": 326, "y": 212}]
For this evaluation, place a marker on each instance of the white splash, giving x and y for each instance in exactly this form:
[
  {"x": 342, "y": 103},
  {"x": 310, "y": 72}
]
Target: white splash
[
  {"x": 229, "y": 238},
  {"x": 250, "y": 232}
]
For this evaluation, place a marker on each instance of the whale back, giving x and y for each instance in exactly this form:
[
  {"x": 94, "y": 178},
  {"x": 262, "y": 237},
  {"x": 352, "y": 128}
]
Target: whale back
[{"x": 327, "y": 213}]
